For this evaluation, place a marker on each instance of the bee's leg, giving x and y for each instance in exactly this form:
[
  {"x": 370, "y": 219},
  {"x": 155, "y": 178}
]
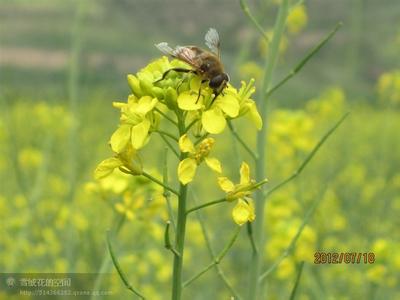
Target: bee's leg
[
  {"x": 182, "y": 70},
  {"x": 219, "y": 91},
  {"x": 198, "y": 95},
  {"x": 215, "y": 97}
]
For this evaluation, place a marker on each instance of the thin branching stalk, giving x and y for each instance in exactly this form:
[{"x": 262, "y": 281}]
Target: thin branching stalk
[
  {"x": 251, "y": 237},
  {"x": 309, "y": 156},
  {"x": 246, "y": 10},
  {"x": 296, "y": 283},
  {"x": 211, "y": 251},
  {"x": 198, "y": 141},
  {"x": 167, "y": 134},
  {"x": 205, "y": 205},
  {"x": 119, "y": 221},
  {"x": 293, "y": 242},
  {"x": 147, "y": 175},
  {"x": 166, "y": 193},
  {"x": 303, "y": 62},
  {"x": 170, "y": 146},
  {"x": 166, "y": 116},
  {"x": 217, "y": 259},
  {"x": 241, "y": 141},
  {"x": 119, "y": 270}
]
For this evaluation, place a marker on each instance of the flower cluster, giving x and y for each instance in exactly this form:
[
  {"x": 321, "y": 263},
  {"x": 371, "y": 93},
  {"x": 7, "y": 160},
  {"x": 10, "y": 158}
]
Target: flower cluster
[
  {"x": 189, "y": 104},
  {"x": 192, "y": 103}
]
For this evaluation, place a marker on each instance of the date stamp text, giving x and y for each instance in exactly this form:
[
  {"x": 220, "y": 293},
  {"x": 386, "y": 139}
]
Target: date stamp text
[{"x": 321, "y": 257}]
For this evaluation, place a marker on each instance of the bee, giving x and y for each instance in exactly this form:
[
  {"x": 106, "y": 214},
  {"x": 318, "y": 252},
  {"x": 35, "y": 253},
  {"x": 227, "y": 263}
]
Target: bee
[{"x": 206, "y": 64}]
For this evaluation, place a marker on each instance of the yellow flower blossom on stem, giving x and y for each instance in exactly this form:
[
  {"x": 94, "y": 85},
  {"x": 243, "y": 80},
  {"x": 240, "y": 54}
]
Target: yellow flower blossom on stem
[
  {"x": 187, "y": 167},
  {"x": 127, "y": 161},
  {"x": 214, "y": 112},
  {"x": 136, "y": 121},
  {"x": 244, "y": 209}
]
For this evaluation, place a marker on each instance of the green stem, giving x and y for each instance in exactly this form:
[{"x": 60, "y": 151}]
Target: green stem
[
  {"x": 169, "y": 145},
  {"x": 239, "y": 139},
  {"x": 251, "y": 237},
  {"x": 246, "y": 10},
  {"x": 190, "y": 125},
  {"x": 257, "y": 257},
  {"x": 170, "y": 135},
  {"x": 218, "y": 268},
  {"x": 301, "y": 64},
  {"x": 180, "y": 229},
  {"x": 200, "y": 139},
  {"x": 166, "y": 193},
  {"x": 166, "y": 116},
  {"x": 296, "y": 283},
  {"x": 217, "y": 259},
  {"x": 119, "y": 270},
  {"x": 179, "y": 244},
  {"x": 205, "y": 205},
  {"x": 160, "y": 183}
]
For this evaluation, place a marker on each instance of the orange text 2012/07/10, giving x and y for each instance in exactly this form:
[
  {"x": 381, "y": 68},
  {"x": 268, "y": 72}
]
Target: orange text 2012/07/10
[{"x": 321, "y": 257}]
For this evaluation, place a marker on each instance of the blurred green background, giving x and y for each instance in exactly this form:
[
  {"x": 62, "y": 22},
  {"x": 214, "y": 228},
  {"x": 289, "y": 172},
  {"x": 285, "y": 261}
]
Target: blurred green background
[{"x": 62, "y": 63}]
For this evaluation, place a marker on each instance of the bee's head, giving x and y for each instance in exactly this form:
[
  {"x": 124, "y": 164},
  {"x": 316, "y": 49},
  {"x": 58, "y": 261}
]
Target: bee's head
[{"x": 219, "y": 82}]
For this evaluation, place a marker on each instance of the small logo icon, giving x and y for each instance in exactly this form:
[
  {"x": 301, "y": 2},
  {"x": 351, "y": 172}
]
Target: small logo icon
[{"x": 10, "y": 281}]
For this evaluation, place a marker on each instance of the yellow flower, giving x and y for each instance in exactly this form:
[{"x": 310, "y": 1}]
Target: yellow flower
[
  {"x": 297, "y": 19},
  {"x": 135, "y": 123},
  {"x": 213, "y": 112},
  {"x": 244, "y": 210},
  {"x": 187, "y": 167},
  {"x": 248, "y": 106},
  {"x": 127, "y": 161}
]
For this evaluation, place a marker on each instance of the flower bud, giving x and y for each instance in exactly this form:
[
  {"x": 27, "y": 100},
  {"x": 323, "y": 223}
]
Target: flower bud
[{"x": 134, "y": 85}]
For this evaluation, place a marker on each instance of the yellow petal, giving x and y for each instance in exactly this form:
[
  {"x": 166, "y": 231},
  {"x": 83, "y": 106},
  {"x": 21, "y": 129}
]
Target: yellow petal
[
  {"x": 229, "y": 104},
  {"x": 244, "y": 173},
  {"x": 187, "y": 170},
  {"x": 241, "y": 212},
  {"x": 120, "y": 138},
  {"x": 106, "y": 167},
  {"x": 188, "y": 101},
  {"x": 255, "y": 116},
  {"x": 185, "y": 144},
  {"x": 252, "y": 210},
  {"x": 139, "y": 134},
  {"x": 225, "y": 184},
  {"x": 213, "y": 121},
  {"x": 145, "y": 105},
  {"x": 119, "y": 105},
  {"x": 213, "y": 164}
]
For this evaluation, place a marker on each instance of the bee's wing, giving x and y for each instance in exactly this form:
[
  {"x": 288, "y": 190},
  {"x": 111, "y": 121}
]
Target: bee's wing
[
  {"x": 212, "y": 40},
  {"x": 186, "y": 54},
  {"x": 164, "y": 48}
]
